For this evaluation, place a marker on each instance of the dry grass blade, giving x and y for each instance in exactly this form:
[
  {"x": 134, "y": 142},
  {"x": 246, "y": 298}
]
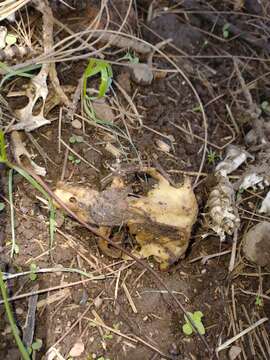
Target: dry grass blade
[{"x": 242, "y": 333}]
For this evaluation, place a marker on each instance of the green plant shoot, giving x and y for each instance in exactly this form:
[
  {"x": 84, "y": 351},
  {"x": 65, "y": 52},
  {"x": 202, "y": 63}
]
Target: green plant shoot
[
  {"x": 24, "y": 72},
  {"x": 33, "y": 182},
  {"x": 94, "y": 67},
  {"x": 14, "y": 329},
  {"x": 197, "y": 319}
]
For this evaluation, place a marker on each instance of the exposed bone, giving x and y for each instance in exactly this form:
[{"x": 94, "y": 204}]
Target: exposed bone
[
  {"x": 36, "y": 90},
  {"x": 19, "y": 152},
  {"x": 14, "y": 51},
  {"x": 251, "y": 181},
  {"x": 235, "y": 157},
  {"x": 44, "y": 7},
  {"x": 222, "y": 217},
  {"x": 258, "y": 175},
  {"x": 265, "y": 208}
]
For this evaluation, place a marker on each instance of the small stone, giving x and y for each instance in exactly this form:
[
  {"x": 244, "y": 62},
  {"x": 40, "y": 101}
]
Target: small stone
[
  {"x": 141, "y": 74},
  {"x": 76, "y": 124},
  {"x": 103, "y": 110},
  {"x": 77, "y": 349},
  {"x": 256, "y": 244},
  {"x": 163, "y": 146},
  {"x": 19, "y": 311}
]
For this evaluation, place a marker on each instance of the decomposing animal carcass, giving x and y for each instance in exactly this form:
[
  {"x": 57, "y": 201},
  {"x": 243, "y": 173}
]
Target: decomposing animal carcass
[
  {"x": 222, "y": 216},
  {"x": 161, "y": 221}
]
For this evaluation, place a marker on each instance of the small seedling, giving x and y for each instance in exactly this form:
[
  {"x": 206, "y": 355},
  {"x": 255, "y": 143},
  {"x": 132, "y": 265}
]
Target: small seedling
[
  {"x": 259, "y": 301},
  {"x": 108, "y": 336},
  {"x": 2, "y": 206},
  {"x": 33, "y": 269},
  {"x": 74, "y": 160},
  {"x": 265, "y": 106},
  {"x": 212, "y": 157},
  {"x": 76, "y": 139},
  {"x": 95, "y": 67},
  {"x": 196, "y": 109},
  {"x": 197, "y": 319},
  {"x": 131, "y": 58},
  {"x": 36, "y": 346},
  {"x": 226, "y": 30},
  {"x": 11, "y": 39}
]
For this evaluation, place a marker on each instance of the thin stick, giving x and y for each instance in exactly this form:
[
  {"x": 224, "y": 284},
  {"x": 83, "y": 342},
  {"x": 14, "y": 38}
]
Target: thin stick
[
  {"x": 234, "y": 247},
  {"x": 242, "y": 333},
  {"x": 130, "y": 300}
]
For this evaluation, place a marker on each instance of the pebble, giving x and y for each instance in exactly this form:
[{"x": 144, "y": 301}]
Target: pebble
[
  {"x": 76, "y": 124},
  {"x": 256, "y": 244}
]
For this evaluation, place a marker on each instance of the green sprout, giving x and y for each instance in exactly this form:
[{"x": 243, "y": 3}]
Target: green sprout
[
  {"x": 265, "y": 106},
  {"x": 74, "y": 160},
  {"x": 33, "y": 183},
  {"x": 95, "y": 67},
  {"x": 108, "y": 336},
  {"x": 212, "y": 157},
  {"x": 196, "y": 318},
  {"x": 14, "y": 328},
  {"x": 225, "y": 30},
  {"x": 24, "y": 72},
  {"x": 2, "y": 206},
  {"x": 33, "y": 274},
  {"x": 131, "y": 58},
  {"x": 36, "y": 346},
  {"x": 76, "y": 139},
  {"x": 259, "y": 301}
]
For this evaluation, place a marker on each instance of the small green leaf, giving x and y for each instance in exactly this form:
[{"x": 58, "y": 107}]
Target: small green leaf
[
  {"x": 95, "y": 67},
  {"x": 265, "y": 107},
  {"x": 77, "y": 161},
  {"x": 108, "y": 336},
  {"x": 72, "y": 139},
  {"x": 259, "y": 301},
  {"x": 37, "y": 345},
  {"x": 70, "y": 157},
  {"x": 196, "y": 318},
  {"x": 11, "y": 39},
  {"x": 33, "y": 269},
  {"x": 2, "y": 206},
  {"x": 196, "y": 109},
  {"x": 187, "y": 329},
  {"x": 226, "y": 31}
]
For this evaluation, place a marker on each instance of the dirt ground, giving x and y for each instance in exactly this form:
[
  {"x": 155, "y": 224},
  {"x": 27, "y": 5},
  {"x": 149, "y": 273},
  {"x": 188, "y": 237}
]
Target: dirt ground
[{"x": 122, "y": 312}]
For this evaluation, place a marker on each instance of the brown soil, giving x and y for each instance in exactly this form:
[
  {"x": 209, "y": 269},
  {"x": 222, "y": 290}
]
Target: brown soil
[{"x": 167, "y": 103}]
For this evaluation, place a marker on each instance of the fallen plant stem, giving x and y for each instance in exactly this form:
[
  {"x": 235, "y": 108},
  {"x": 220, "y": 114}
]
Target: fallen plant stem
[
  {"x": 14, "y": 246},
  {"x": 242, "y": 333},
  {"x": 11, "y": 320},
  {"x": 8, "y": 276}
]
